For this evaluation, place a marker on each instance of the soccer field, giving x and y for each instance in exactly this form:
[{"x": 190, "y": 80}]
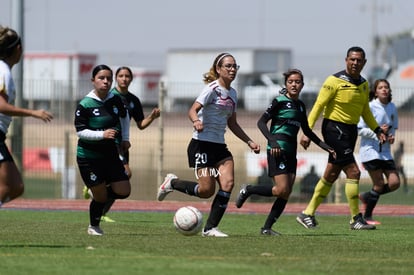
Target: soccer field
[{"x": 145, "y": 242}]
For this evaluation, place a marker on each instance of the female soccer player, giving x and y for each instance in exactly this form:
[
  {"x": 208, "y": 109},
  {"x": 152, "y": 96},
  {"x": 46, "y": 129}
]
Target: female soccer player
[
  {"x": 11, "y": 182},
  {"x": 212, "y": 111}
]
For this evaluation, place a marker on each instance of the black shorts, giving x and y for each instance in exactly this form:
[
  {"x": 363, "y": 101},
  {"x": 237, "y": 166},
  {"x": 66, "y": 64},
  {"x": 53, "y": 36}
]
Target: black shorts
[
  {"x": 4, "y": 150},
  {"x": 285, "y": 164},
  {"x": 342, "y": 138},
  {"x": 206, "y": 154},
  {"x": 97, "y": 171},
  {"x": 378, "y": 164}
]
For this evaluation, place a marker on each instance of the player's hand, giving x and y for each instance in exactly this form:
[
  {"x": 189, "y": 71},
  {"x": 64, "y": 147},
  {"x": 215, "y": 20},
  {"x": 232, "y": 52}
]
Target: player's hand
[
  {"x": 305, "y": 142},
  {"x": 43, "y": 115},
  {"x": 198, "y": 125},
  {"x": 110, "y": 133},
  {"x": 155, "y": 113},
  {"x": 391, "y": 139},
  {"x": 385, "y": 128},
  {"x": 276, "y": 152},
  {"x": 254, "y": 146}
]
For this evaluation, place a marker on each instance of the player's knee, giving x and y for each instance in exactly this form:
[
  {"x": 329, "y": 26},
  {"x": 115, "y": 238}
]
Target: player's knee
[
  {"x": 206, "y": 193},
  {"x": 122, "y": 196}
]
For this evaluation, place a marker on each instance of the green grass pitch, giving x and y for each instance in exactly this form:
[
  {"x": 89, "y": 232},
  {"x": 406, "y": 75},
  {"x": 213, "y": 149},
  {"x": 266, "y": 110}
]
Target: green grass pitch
[{"x": 56, "y": 242}]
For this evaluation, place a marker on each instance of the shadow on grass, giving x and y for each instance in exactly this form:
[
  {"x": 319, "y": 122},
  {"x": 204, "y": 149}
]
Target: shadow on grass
[{"x": 34, "y": 245}]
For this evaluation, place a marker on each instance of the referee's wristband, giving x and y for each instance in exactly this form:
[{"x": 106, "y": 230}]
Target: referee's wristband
[{"x": 378, "y": 130}]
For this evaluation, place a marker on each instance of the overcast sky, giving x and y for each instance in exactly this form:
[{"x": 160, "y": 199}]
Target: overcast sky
[{"x": 140, "y": 32}]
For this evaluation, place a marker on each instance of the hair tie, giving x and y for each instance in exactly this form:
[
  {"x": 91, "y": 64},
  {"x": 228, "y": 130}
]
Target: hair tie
[{"x": 14, "y": 43}]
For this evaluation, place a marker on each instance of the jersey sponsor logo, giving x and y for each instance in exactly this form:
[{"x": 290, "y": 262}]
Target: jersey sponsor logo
[
  {"x": 96, "y": 112},
  {"x": 293, "y": 122},
  {"x": 328, "y": 87},
  {"x": 92, "y": 176},
  {"x": 116, "y": 111}
]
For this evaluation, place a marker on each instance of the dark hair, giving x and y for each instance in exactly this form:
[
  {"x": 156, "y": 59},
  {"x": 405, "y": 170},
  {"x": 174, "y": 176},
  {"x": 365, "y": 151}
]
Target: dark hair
[
  {"x": 356, "y": 49},
  {"x": 124, "y": 68},
  {"x": 9, "y": 39},
  {"x": 292, "y": 71},
  {"x": 374, "y": 89},
  {"x": 212, "y": 74},
  {"x": 99, "y": 68}
]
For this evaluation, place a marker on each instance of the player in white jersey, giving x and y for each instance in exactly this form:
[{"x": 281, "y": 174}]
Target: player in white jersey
[
  {"x": 11, "y": 182},
  {"x": 213, "y": 111},
  {"x": 377, "y": 158}
]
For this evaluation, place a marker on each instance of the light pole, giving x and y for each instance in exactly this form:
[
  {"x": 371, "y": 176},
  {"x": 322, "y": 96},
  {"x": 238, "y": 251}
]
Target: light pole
[{"x": 17, "y": 129}]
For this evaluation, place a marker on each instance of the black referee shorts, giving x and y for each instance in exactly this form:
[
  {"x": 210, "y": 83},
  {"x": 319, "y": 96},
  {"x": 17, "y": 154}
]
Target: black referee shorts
[{"x": 342, "y": 138}]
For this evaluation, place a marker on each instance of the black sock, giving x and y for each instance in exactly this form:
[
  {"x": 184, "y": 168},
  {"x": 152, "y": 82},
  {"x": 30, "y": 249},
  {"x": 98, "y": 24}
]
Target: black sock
[
  {"x": 262, "y": 190},
  {"x": 184, "y": 186},
  {"x": 217, "y": 210},
  {"x": 371, "y": 203},
  {"x": 95, "y": 212},
  {"x": 386, "y": 189},
  {"x": 107, "y": 206},
  {"x": 277, "y": 210}
]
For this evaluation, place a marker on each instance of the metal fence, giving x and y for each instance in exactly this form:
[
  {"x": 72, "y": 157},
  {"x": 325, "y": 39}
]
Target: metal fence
[{"x": 50, "y": 171}]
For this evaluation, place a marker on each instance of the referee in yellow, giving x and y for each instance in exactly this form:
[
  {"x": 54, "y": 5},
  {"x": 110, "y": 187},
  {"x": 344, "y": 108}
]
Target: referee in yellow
[{"x": 343, "y": 98}]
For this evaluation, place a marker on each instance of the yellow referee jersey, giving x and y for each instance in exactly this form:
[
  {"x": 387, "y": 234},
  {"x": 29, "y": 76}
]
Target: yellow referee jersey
[{"x": 343, "y": 99}]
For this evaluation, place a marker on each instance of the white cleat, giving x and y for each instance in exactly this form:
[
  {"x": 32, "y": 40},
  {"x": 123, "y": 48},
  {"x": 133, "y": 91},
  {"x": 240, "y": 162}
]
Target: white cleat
[
  {"x": 95, "y": 230},
  {"x": 213, "y": 232},
  {"x": 166, "y": 187}
]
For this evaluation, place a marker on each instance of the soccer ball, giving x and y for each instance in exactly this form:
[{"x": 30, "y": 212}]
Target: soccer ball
[{"x": 188, "y": 220}]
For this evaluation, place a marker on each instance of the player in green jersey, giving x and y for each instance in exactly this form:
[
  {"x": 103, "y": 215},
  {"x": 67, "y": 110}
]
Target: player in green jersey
[
  {"x": 101, "y": 122},
  {"x": 287, "y": 114}
]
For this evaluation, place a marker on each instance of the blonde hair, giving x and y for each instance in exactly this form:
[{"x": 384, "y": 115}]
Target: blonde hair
[{"x": 212, "y": 74}]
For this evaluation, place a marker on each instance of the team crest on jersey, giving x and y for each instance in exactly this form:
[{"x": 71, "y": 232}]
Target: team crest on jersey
[
  {"x": 115, "y": 109},
  {"x": 92, "y": 176},
  {"x": 131, "y": 105}
]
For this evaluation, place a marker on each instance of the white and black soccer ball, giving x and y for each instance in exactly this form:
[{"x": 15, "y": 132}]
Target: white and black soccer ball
[{"x": 188, "y": 220}]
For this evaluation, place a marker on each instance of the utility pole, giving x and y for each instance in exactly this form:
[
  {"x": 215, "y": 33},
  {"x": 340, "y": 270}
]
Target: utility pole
[
  {"x": 17, "y": 129},
  {"x": 375, "y": 37}
]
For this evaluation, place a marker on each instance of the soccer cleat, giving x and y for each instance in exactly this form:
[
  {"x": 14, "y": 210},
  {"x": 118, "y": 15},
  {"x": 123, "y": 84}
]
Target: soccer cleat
[
  {"x": 95, "y": 230},
  {"x": 307, "y": 221},
  {"x": 166, "y": 187},
  {"x": 107, "y": 219},
  {"x": 371, "y": 221},
  {"x": 242, "y": 197},
  {"x": 359, "y": 223},
  {"x": 213, "y": 232},
  {"x": 269, "y": 232},
  {"x": 85, "y": 193}
]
